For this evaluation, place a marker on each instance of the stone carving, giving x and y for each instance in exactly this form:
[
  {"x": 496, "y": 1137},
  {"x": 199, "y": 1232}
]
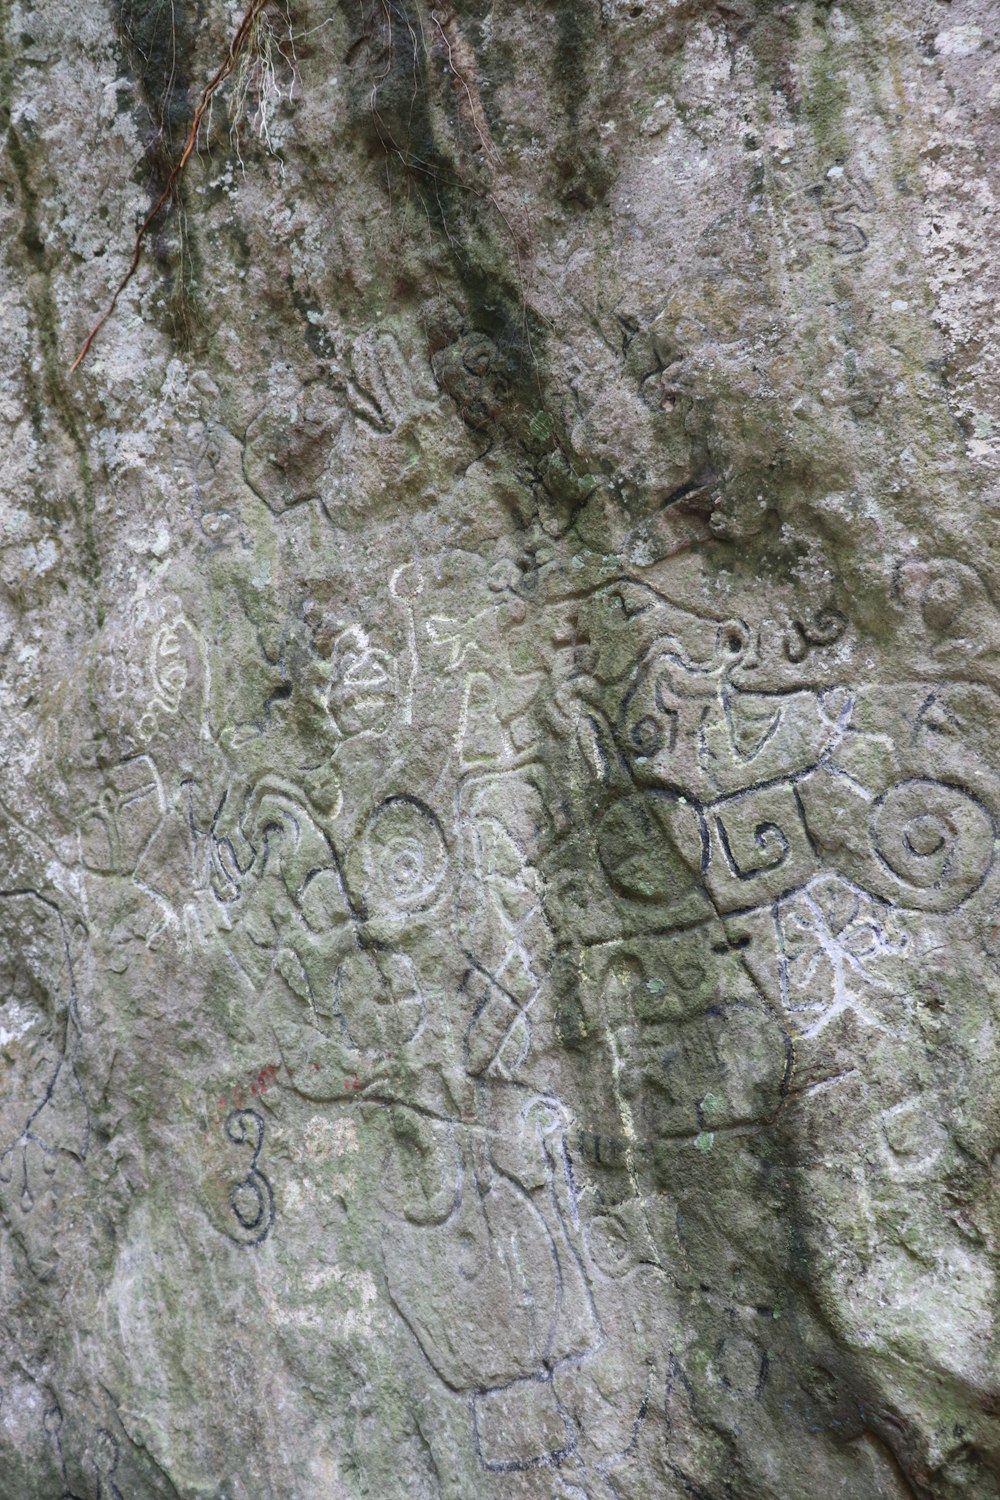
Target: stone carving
[
  {"x": 842, "y": 196},
  {"x": 499, "y": 792},
  {"x": 287, "y": 446},
  {"x": 822, "y": 628},
  {"x": 837, "y": 944},
  {"x": 251, "y": 1199},
  {"x": 52, "y": 1420},
  {"x": 402, "y": 856},
  {"x": 363, "y": 688},
  {"x": 757, "y": 852},
  {"x": 730, "y": 791},
  {"x": 126, "y": 818},
  {"x": 106, "y": 1461},
  {"x": 45, "y": 1116},
  {"x": 153, "y": 676},
  {"x": 386, "y": 384},
  {"x": 103, "y": 1455}
]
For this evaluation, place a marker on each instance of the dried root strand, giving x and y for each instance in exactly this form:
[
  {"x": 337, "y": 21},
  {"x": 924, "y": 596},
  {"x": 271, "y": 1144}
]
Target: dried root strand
[
  {"x": 257, "y": 75},
  {"x": 241, "y": 37}
]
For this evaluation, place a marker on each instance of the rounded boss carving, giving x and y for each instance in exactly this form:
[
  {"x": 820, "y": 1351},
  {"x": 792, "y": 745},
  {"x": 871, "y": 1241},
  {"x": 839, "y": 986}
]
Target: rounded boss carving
[{"x": 936, "y": 839}]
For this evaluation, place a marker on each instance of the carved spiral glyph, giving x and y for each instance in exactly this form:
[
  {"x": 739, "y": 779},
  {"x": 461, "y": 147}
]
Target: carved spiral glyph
[
  {"x": 404, "y": 857},
  {"x": 934, "y": 838}
]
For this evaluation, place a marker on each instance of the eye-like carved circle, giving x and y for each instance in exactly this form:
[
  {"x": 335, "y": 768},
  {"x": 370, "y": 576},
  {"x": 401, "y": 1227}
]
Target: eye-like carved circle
[
  {"x": 647, "y": 736},
  {"x": 733, "y": 639},
  {"x": 403, "y": 855},
  {"x": 609, "y": 1245},
  {"x": 936, "y": 839}
]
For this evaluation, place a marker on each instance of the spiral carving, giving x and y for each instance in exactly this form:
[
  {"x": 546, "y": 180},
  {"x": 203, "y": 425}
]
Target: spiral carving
[
  {"x": 251, "y": 1199},
  {"x": 936, "y": 839},
  {"x": 404, "y": 857},
  {"x": 825, "y": 626}
]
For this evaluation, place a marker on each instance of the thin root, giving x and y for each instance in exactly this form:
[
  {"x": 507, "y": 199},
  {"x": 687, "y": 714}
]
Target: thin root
[{"x": 243, "y": 34}]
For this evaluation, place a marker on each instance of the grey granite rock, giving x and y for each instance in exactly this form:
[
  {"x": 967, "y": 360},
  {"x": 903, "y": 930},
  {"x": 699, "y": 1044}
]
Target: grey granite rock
[{"x": 499, "y": 770}]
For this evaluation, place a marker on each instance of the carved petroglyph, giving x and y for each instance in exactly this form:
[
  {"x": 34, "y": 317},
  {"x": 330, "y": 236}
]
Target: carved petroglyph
[
  {"x": 363, "y": 690},
  {"x": 152, "y": 676},
  {"x": 403, "y": 857},
  {"x": 126, "y": 818},
  {"x": 820, "y": 826},
  {"x": 107, "y": 1457},
  {"x": 103, "y": 1458},
  {"x": 500, "y": 1225},
  {"x": 386, "y": 383},
  {"x": 843, "y": 199},
  {"x": 837, "y": 944},
  {"x": 954, "y": 618},
  {"x": 506, "y": 1262},
  {"x": 715, "y": 906},
  {"x": 288, "y": 445},
  {"x": 406, "y": 586},
  {"x": 251, "y": 1199},
  {"x": 44, "y": 1117},
  {"x": 501, "y": 920},
  {"x": 278, "y": 883},
  {"x": 844, "y": 195},
  {"x": 935, "y": 839},
  {"x": 52, "y": 1421},
  {"x": 747, "y": 879},
  {"x": 822, "y": 628}
]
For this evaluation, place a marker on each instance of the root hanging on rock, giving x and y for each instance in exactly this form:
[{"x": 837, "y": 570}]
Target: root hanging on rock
[{"x": 243, "y": 38}]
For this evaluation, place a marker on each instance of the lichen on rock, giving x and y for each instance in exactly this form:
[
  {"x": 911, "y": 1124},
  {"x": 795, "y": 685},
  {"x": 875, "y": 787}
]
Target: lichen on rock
[{"x": 499, "y": 660}]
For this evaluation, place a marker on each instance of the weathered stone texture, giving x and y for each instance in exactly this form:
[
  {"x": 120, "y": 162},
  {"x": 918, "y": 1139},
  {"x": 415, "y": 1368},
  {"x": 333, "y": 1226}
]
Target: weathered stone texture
[{"x": 499, "y": 771}]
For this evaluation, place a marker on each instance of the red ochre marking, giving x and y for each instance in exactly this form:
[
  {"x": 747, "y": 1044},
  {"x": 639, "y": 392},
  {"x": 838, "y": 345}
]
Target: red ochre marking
[{"x": 260, "y": 1078}]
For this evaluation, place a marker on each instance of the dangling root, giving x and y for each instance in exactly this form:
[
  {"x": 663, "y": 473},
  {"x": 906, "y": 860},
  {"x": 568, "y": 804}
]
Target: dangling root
[
  {"x": 241, "y": 37},
  {"x": 258, "y": 74}
]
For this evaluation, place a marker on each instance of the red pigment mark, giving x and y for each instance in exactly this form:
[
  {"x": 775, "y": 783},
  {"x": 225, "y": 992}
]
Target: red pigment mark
[
  {"x": 264, "y": 1076},
  {"x": 316, "y": 1067},
  {"x": 259, "y": 1080}
]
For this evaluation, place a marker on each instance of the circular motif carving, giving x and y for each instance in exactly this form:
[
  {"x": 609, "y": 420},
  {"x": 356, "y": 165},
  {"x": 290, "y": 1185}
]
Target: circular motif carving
[
  {"x": 936, "y": 839},
  {"x": 403, "y": 855},
  {"x": 251, "y": 1199},
  {"x": 647, "y": 736},
  {"x": 734, "y": 639}
]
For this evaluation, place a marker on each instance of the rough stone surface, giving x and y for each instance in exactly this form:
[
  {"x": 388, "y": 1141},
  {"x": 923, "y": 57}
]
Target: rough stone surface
[{"x": 499, "y": 772}]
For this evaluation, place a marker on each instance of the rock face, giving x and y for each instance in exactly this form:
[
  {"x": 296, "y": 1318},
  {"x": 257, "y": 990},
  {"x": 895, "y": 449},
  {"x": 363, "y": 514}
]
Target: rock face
[{"x": 499, "y": 773}]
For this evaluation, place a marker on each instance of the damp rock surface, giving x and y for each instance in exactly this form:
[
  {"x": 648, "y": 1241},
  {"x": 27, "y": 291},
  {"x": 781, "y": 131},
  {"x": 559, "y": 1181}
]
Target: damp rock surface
[{"x": 499, "y": 772}]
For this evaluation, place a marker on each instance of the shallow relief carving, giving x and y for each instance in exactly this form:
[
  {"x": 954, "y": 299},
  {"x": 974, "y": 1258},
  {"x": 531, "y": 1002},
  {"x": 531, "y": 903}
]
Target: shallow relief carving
[
  {"x": 757, "y": 788},
  {"x": 775, "y": 870},
  {"x": 251, "y": 1199},
  {"x": 762, "y": 849},
  {"x": 549, "y": 987},
  {"x": 44, "y": 1116},
  {"x": 403, "y": 966}
]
